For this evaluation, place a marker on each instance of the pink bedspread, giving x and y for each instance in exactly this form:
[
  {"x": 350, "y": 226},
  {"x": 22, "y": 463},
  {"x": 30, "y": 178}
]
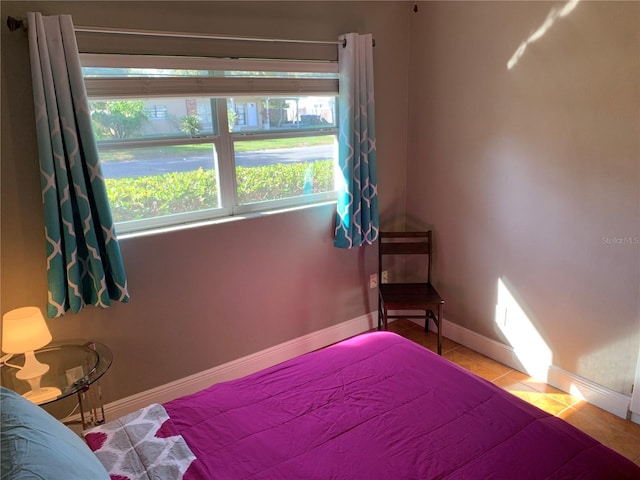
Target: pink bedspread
[{"x": 380, "y": 407}]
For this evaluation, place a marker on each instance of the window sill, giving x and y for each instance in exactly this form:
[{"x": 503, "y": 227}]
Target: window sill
[{"x": 219, "y": 220}]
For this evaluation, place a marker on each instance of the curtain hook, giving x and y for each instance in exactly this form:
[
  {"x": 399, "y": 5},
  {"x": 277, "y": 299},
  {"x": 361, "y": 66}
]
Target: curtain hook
[
  {"x": 344, "y": 42},
  {"x": 16, "y": 24}
]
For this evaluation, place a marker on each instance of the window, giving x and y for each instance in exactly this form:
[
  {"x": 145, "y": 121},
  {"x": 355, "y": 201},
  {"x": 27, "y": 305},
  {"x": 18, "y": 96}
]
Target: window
[
  {"x": 184, "y": 139},
  {"x": 156, "y": 112}
]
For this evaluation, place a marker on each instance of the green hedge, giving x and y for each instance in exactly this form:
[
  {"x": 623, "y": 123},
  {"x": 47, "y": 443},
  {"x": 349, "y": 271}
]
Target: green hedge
[{"x": 157, "y": 195}]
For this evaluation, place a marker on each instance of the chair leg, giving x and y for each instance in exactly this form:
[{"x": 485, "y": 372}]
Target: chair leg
[
  {"x": 440, "y": 321},
  {"x": 379, "y": 314},
  {"x": 426, "y": 321}
]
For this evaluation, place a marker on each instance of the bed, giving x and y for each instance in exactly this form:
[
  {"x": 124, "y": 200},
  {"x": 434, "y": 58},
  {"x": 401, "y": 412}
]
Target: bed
[{"x": 376, "y": 406}]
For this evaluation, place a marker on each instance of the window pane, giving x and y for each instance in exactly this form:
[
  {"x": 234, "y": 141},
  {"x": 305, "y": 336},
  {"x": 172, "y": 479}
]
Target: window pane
[
  {"x": 259, "y": 114},
  {"x": 274, "y": 169},
  {"x": 122, "y": 119},
  {"x": 120, "y": 72},
  {"x": 158, "y": 181}
]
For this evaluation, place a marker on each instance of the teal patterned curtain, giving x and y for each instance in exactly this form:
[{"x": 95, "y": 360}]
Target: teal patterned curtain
[
  {"x": 84, "y": 264},
  {"x": 357, "y": 212}
]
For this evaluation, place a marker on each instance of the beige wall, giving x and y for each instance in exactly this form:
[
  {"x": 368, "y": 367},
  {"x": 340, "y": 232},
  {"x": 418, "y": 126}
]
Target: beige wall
[
  {"x": 532, "y": 174},
  {"x": 204, "y": 296},
  {"x": 523, "y": 174}
]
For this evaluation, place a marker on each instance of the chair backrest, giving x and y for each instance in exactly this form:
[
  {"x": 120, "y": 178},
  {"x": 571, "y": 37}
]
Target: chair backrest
[{"x": 402, "y": 244}]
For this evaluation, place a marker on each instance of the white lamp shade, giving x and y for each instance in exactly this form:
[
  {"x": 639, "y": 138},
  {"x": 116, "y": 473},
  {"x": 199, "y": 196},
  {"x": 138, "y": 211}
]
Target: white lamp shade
[{"x": 24, "y": 330}]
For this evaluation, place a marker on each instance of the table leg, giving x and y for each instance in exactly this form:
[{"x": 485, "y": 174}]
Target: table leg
[{"x": 91, "y": 406}]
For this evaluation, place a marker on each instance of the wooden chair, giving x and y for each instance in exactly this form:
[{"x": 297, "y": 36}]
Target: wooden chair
[{"x": 418, "y": 295}]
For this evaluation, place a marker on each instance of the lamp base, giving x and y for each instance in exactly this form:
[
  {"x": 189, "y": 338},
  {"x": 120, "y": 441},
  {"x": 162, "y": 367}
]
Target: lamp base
[{"x": 42, "y": 394}]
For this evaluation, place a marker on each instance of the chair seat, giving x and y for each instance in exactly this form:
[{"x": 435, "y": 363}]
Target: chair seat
[{"x": 408, "y": 296}]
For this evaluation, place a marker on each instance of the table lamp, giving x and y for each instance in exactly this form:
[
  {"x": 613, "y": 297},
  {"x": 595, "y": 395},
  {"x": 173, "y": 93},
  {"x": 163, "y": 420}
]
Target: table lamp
[{"x": 23, "y": 331}]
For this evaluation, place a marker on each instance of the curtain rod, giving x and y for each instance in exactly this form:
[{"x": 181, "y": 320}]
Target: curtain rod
[{"x": 15, "y": 24}]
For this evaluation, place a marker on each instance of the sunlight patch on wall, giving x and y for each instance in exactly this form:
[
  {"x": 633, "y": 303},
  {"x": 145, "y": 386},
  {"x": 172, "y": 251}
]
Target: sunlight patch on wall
[
  {"x": 516, "y": 325},
  {"x": 555, "y": 14}
]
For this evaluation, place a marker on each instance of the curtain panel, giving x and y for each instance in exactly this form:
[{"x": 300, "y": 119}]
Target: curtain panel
[
  {"x": 84, "y": 263},
  {"x": 357, "y": 220}
]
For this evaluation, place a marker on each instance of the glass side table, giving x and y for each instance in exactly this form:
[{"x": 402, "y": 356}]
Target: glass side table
[{"x": 73, "y": 369}]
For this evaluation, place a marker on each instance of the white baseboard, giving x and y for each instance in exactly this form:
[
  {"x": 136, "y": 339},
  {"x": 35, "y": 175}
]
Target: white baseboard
[
  {"x": 598, "y": 395},
  {"x": 242, "y": 366},
  {"x": 602, "y": 397},
  {"x": 495, "y": 350}
]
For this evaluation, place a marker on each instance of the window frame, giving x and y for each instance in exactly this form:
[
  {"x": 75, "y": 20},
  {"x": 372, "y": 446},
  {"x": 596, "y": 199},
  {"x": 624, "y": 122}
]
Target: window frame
[{"x": 218, "y": 89}]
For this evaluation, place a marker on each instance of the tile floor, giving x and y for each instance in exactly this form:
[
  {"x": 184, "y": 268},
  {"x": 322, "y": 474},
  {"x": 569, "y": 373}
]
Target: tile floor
[{"x": 620, "y": 435}]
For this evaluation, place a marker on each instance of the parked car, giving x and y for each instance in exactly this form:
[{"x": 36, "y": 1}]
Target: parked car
[{"x": 312, "y": 121}]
